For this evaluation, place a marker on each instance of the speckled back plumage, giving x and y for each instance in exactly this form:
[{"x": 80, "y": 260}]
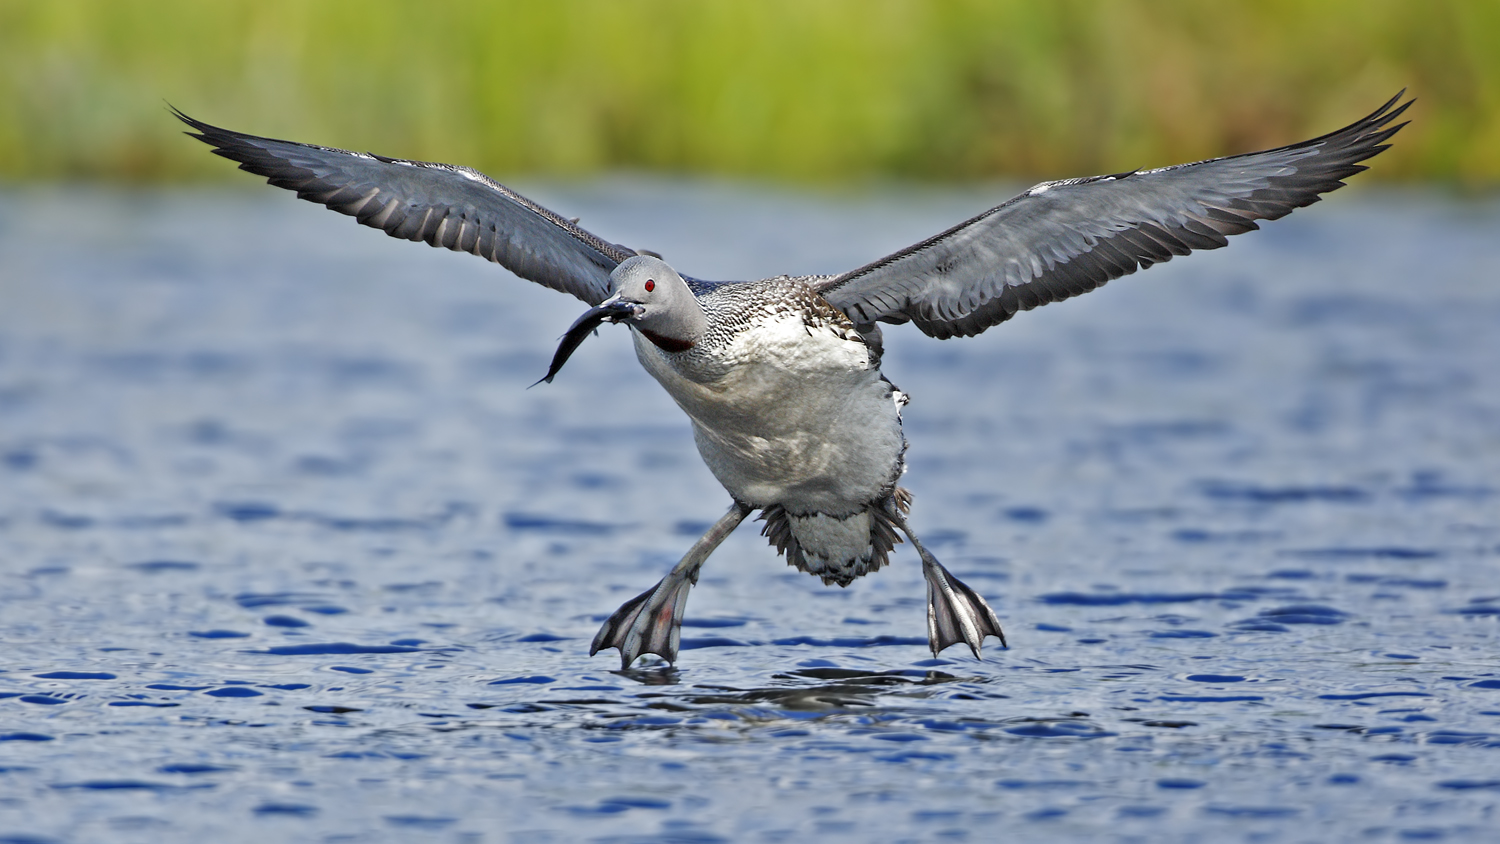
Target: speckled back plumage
[{"x": 735, "y": 306}]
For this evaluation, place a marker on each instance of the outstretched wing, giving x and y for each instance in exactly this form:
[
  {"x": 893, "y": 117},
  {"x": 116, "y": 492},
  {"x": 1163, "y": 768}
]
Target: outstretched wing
[
  {"x": 455, "y": 207},
  {"x": 1060, "y": 239}
]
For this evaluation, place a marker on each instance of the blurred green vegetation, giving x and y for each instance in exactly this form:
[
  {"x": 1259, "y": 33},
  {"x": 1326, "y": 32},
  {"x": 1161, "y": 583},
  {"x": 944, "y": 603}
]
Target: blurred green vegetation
[{"x": 802, "y": 90}]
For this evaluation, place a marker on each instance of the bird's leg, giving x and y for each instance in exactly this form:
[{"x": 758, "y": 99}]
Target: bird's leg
[
  {"x": 651, "y": 622},
  {"x": 955, "y": 613}
]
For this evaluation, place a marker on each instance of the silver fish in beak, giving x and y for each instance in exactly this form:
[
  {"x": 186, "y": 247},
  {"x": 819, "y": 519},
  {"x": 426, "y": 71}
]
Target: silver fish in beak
[{"x": 614, "y": 310}]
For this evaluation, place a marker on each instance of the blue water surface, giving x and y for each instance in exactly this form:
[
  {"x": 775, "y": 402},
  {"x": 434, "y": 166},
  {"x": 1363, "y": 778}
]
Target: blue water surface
[{"x": 289, "y": 552}]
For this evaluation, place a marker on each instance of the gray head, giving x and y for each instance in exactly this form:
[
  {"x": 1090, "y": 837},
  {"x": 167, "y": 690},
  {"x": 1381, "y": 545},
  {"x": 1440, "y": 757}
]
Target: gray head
[
  {"x": 668, "y": 314},
  {"x": 651, "y": 298}
]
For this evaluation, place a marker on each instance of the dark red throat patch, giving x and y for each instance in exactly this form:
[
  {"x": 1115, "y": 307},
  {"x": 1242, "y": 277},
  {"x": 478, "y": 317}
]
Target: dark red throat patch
[{"x": 667, "y": 344}]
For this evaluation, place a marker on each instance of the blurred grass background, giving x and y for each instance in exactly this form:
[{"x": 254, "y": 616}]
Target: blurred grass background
[{"x": 792, "y": 90}]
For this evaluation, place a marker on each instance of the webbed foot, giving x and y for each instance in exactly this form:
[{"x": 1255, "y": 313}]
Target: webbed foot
[
  {"x": 956, "y": 613},
  {"x": 651, "y": 622}
]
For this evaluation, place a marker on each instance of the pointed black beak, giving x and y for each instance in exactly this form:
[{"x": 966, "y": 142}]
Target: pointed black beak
[{"x": 614, "y": 310}]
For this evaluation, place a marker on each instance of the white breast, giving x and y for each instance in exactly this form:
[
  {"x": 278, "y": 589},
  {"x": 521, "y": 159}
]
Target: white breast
[{"x": 787, "y": 414}]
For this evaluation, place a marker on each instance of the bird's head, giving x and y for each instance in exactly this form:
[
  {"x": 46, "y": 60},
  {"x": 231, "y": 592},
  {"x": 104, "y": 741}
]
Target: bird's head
[{"x": 651, "y": 298}]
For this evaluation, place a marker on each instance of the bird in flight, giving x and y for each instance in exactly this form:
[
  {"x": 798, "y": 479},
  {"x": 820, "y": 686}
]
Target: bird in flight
[{"x": 781, "y": 377}]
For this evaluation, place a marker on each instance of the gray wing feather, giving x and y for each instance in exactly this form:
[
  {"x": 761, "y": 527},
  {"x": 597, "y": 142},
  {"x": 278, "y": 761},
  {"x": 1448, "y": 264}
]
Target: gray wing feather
[
  {"x": 1060, "y": 239},
  {"x": 453, "y": 207}
]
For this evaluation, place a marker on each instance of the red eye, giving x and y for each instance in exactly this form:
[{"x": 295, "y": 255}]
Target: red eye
[{"x": 650, "y": 285}]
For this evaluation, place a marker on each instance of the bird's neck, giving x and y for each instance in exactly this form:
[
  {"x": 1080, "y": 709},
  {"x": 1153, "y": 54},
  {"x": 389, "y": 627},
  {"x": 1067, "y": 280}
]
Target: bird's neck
[{"x": 667, "y": 344}]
